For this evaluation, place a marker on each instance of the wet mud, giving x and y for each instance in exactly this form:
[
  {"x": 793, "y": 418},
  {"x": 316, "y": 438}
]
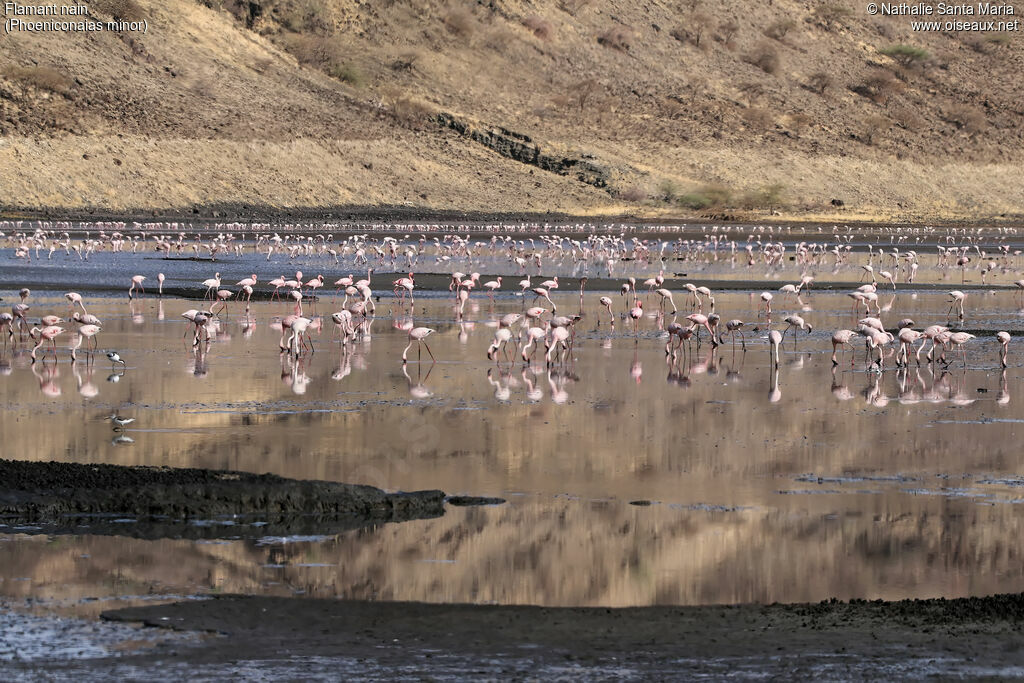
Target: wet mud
[
  {"x": 858, "y": 639},
  {"x": 154, "y": 502}
]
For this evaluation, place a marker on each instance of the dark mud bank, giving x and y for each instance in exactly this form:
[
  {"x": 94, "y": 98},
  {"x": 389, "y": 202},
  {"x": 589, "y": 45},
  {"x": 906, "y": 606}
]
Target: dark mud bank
[
  {"x": 843, "y": 640},
  {"x": 163, "y": 501}
]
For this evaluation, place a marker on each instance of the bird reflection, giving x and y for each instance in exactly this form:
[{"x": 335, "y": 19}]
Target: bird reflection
[
  {"x": 85, "y": 387},
  {"x": 774, "y": 392},
  {"x": 418, "y": 387},
  {"x": 47, "y": 376}
]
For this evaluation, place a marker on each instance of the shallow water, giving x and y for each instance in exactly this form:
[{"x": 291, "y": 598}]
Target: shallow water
[{"x": 800, "y": 483}]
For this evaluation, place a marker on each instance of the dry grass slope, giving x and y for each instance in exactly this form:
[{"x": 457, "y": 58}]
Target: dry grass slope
[{"x": 327, "y": 102}]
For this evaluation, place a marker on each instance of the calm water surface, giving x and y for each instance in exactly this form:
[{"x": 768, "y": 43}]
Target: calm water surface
[{"x": 799, "y": 483}]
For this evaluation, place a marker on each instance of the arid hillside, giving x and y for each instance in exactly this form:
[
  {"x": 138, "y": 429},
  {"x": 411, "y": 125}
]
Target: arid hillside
[{"x": 682, "y": 109}]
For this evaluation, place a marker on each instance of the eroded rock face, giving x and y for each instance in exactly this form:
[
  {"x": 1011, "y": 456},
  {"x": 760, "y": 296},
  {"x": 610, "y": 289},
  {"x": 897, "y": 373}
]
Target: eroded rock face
[
  {"x": 53, "y": 492},
  {"x": 523, "y": 149}
]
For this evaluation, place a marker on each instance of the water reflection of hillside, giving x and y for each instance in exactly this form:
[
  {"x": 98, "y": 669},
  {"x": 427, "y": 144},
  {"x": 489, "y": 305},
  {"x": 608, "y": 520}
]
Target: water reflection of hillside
[{"x": 570, "y": 553}]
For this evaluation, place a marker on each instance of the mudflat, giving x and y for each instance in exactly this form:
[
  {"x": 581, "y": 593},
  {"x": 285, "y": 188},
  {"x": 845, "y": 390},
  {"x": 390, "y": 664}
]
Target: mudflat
[
  {"x": 857, "y": 639},
  {"x": 165, "y": 501}
]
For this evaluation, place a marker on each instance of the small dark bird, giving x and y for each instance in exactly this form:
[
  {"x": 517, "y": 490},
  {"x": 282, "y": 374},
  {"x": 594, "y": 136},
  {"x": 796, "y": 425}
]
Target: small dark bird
[{"x": 115, "y": 358}]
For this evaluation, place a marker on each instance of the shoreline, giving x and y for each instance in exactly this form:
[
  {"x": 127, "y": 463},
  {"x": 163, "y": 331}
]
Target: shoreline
[
  {"x": 356, "y": 214},
  {"x": 292, "y": 637}
]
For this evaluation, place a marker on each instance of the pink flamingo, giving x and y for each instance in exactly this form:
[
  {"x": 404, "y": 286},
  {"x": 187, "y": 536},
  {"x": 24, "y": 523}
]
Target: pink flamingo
[
  {"x": 75, "y": 298},
  {"x": 404, "y": 285},
  {"x": 841, "y": 338},
  {"x": 636, "y": 313},
  {"x": 47, "y": 334},
  {"x": 1004, "y": 342},
  {"x": 160, "y": 277},
  {"x": 85, "y": 332},
  {"x": 136, "y": 282},
  {"x": 491, "y": 286},
  {"x": 344, "y": 283},
  {"x": 607, "y": 303},
  {"x": 211, "y": 284},
  {"x": 418, "y": 335},
  {"x": 732, "y": 327},
  {"x": 699, "y": 320},
  {"x": 277, "y": 283},
  {"x": 249, "y": 281}
]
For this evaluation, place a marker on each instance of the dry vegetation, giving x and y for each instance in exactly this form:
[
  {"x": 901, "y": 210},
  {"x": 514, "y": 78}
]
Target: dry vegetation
[{"x": 645, "y": 91}]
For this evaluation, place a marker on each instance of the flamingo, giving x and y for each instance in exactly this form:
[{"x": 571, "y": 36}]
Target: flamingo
[
  {"x": 732, "y": 327},
  {"x": 211, "y": 284},
  {"x": 559, "y": 338},
  {"x": 501, "y": 338},
  {"x": 491, "y": 286},
  {"x": 418, "y": 335},
  {"x": 766, "y": 298},
  {"x": 542, "y": 292},
  {"x": 841, "y": 338},
  {"x": 47, "y": 334},
  {"x": 532, "y": 335},
  {"x": 278, "y": 283},
  {"x": 958, "y": 339},
  {"x": 636, "y": 313},
  {"x": 85, "y": 332},
  {"x": 160, "y": 277},
  {"x": 607, "y": 303},
  {"x": 136, "y": 282},
  {"x": 698, "y": 320},
  {"x": 957, "y": 301},
  {"x": 75, "y": 298},
  {"x": 1004, "y": 342},
  {"x": 665, "y": 294}
]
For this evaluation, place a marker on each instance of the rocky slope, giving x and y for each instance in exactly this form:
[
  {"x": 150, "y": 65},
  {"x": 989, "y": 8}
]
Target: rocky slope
[{"x": 658, "y": 108}]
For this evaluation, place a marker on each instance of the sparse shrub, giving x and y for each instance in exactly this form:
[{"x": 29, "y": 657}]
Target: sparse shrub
[
  {"x": 770, "y": 196},
  {"x": 692, "y": 30},
  {"x": 460, "y": 23},
  {"x": 779, "y": 29},
  {"x": 633, "y": 195},
  {"x": 307, "y": 16},
  {"x": 998, "y": 39},
  {"x": 707, "y": 196},
  {"x": 907, "y": 118},
  {"x": 697, "y": 86},
  {"x": 906, "y": 55},
  {"x": 875, "y": 127},
  {"x": 42, "y": 77},
  {"x": 499, "y": 39},
  {"x": 819, "y": 82},
  {"x": 728, "y": 31},
  {"x": 411, "y": 111},
  {"x": 752, "y": 89},
  {"x": 668, "y": 190},
  {"x": 571, "y": 7},
  {"x": 758, "y": 119},
  {"x": 832, "y": 15},
  {"x": 879, "y": 86},
  {"x": 694, "y": 200},
  {"x": 406, "y": 61},
  {"x": 799, "y": 122},
  {"x": 347, "y": 73},
  {"x": 965, "y": 118},
  {"x": 561, "y": 101},
  {"x": 540, "y": 28},
  {"x": 325, "y": 53},
  {"x": 617, "y": 38},
  {"x": 765, "y": 57},
  {"x": 584, "y": 91},
  {"x": 124, "y": 10}
]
